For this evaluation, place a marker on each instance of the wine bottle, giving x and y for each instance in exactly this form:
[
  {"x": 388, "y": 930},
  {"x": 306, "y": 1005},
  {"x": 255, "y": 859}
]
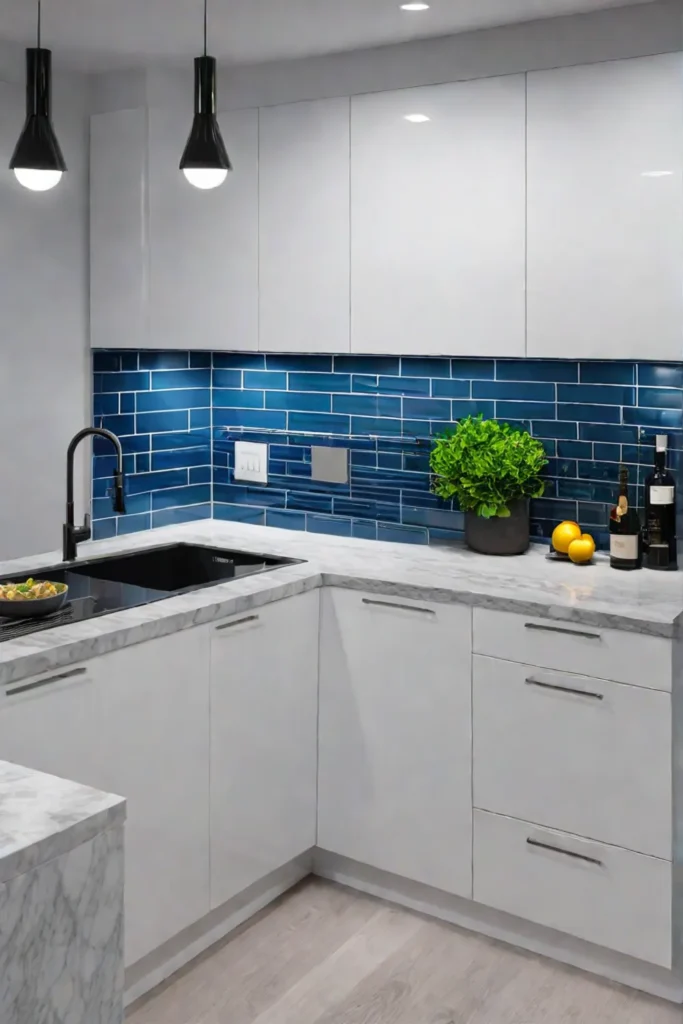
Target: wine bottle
[
  {"x": 660, "y": 512},
  {"x": 626, "y": 539}
]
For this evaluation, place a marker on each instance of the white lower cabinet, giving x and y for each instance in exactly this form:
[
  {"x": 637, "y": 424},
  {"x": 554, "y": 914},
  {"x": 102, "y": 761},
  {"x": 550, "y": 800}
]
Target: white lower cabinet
[
  {"x": 264, "y": 685},
  {"x": 599, "y": 893},
  {"x": 394, "y": 783}
]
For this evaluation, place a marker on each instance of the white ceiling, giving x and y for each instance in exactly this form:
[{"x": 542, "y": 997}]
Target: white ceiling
[{"x": 107, "y": 34}]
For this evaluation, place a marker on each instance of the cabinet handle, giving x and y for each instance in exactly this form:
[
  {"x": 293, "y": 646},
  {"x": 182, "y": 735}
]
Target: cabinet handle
[
  {"x": 559, "y": 629},
  {"x": 566, "y": 853},
  {"x": 401, "y": 607},
  {"x": 26, "y": 687},
  {"x": 237, "y": 622},
  {"x": 563, "y": 689}
]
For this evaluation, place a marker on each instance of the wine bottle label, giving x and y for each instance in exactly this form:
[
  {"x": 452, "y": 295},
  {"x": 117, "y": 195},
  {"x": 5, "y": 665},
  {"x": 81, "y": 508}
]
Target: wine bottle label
[
  {"x": 624, "y": 546},
  {"x": 661, "y": 495},
  {"x": 622, "y": 506}
]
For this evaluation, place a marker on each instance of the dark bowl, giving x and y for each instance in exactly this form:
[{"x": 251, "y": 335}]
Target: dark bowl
[{"x": 36, "y": 608}]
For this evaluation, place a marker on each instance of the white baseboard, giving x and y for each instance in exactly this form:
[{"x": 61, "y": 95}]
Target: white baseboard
[
  {"x": 497, "y": 925},
  {"x": 158, "y": 966}
]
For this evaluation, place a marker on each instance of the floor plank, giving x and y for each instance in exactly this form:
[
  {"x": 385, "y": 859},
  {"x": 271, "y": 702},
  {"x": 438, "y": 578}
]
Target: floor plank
[{"x": 324, "y": 954}]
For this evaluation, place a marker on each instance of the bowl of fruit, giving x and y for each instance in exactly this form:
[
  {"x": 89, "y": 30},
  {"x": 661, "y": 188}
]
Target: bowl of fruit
[
  {"x": 570, "y": 544},
  {"x": 32, "y": 598}
]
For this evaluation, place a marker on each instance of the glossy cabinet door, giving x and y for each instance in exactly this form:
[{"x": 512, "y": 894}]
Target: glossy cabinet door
[
  {"x": 118, "y": 230},
  {"x": 264, "y": 685},
  {"x": 395, "y": 745},
  {"x": 438, "y": 220},
  {"x": 606, "y": 210},
  {"x": 203, "y": 244},
  {"x": 304, "y": 227}
]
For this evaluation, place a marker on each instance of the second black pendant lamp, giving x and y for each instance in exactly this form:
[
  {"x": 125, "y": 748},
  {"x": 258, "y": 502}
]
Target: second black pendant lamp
[
  {"x": 37, "y": 160},
  {"x": 205, "y": 161}
]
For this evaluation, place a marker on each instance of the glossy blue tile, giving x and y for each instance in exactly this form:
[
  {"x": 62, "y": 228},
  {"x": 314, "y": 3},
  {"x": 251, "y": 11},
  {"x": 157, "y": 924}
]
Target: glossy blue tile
[
  {"x": 200, "y": 360},
  {"x": 105, "y": 405},
  {"x": 130, "y": 444},
  {"x": 160, "y": 422},
  {"x": 243, "y": 494},
  {"x": 238, "y": 361},
  {"x": 259, "y": 418},
  {"x": 226, "y": 398},
  {"x": 432, "y": 518},
  {"x": 367, "y": 405},
  {"x": 561, "y": 468},
  {"x": 607, "y": 373},
  {"x": 575, "y": 450},
  {"x": 285, "y": 520},
  {"x": 288, "y": 452},
  {"x": 105, "y": 465},
  {"x": 264, "y": 379},
  {"x": 164, "y": 360},
  {"x": 660, "y": 398},
  {"x": 604, "y": 452},
  {"x": 227, "y": 378},
  {"x": 549, "y": 446},
  {"x": 158, "y": 401},
  {"x": 175, "y": 497},
  {"x": 118, "y": 425},
  {"x": 599, "y": 471},
  {"x": 607, "y": 433},
  {"x": 200, "y": 418},
  {"x": 473, "y": 369},
  {"x": 183, "y": 458},
  {"x": 389, "y": 460},
  {"x": 106, "y": 362},
  {"x": 589, "y": 413},
  {"x": 426, "y": 408},
  {"x": 133, "y": 524},
  {"x": 308, "y": 364},
  {"x": 167, "y": 379},
  {"x": 102, "y": 507},
  {"x": 143, "y": 483},
  {"x": 452, "y": 388},
  {"x": 596, "y": 394},
  {"x": 309, "y": 501},
  {"x": 200, "y": 475},
  {"x": 372, "y": 385},
  {"x": 130, "y": 361},
  {"x": 518, "y": 391},
  {"x": 411, "y": 367},
  {"x": 318, "y": 423},
  {"x": 328, "y": 524},
  {"x": 402, "y": 534},
  {"x": 664, "y": 418},
  {"x": 446, "y": 538},
  {"x": 380, "y": 511},
  {"x": 364, "y": 529},
  {"x": 527, "y": 411},
  {"x": 179, "y": 439},
  {"x": 377, "y": 426},
  {"x": 299, "y": 401},
  {"x": 143, "y": 463},
  {"x": 368, "y": 364},
  {"x": 239, "y": 514},
  {"x": 556, "y": 370},
  {"x": 127, "y": 401},
  {"x": 584, "y": 490},
  {"x": 175, "y": 516},
  {"x": 553, "y": 509},
  {"x": 103, "y": 529},
  {"x": 665, "y": 375},
  {"x": 460, "y": 409},
  {"x": 328, "y": 382},
  {"x": 132, "y": 381}
]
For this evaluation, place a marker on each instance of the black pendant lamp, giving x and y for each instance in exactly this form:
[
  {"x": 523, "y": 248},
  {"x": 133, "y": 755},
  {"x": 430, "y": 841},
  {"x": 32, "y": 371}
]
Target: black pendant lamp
[
  {"x": 205, "y": 161},
  {"x": 37, "y": 160}
]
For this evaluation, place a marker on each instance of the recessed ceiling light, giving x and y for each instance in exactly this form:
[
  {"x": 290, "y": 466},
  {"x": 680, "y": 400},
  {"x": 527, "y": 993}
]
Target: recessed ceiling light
[
  {"x": 417, "y": 118},
  {"x": 414, "y": 7},
  {"x": 656, "y": 174}
]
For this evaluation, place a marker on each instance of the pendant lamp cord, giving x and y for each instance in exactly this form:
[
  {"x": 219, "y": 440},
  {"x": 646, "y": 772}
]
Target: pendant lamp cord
[
  {"x": 39, "y": 20},
  {"x": 206, "y": 4}
]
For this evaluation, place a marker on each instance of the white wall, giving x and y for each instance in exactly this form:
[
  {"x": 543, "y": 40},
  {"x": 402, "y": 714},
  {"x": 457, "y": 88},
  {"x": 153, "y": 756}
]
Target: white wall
[{"x": 44, "y": 357}]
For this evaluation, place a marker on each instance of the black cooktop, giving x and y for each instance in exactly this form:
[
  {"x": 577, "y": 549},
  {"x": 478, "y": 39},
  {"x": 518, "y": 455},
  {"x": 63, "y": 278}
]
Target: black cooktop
[{"x": 100, "y": 586}]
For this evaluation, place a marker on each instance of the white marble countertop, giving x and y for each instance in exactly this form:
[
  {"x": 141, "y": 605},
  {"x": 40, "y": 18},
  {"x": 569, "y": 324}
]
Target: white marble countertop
[
  {"x": 42, "y": 817},
  {"x": 643, "y": 602}
]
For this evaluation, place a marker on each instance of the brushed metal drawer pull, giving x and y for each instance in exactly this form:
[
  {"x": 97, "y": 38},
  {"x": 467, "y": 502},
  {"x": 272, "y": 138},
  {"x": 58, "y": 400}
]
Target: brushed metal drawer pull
[
  {"x": 566, "y": 853},
  {"x": 401, "y": 607},
  {"x": 559, "y": 629},
  {"x": 237, "y": 622},
  {"x": 563, "y": 689},
  {"x": 26, "y": 687}
]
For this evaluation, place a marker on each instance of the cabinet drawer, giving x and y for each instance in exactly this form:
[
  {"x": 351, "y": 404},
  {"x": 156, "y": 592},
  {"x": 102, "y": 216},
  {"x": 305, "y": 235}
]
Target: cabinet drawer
[
  {"x": 587, "y": 650},
  {"x": 601, "y": 894},
  {"x": 584, "y": 755}
]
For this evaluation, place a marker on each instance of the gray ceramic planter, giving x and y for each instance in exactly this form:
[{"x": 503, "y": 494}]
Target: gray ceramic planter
[{"x": 499, "y": 536}]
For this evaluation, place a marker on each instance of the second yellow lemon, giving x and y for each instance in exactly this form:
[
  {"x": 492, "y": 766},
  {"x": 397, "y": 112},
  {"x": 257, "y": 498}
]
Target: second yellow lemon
[
  {"x": 564, "y": 534},
  {"x": 582, "y": 550}
]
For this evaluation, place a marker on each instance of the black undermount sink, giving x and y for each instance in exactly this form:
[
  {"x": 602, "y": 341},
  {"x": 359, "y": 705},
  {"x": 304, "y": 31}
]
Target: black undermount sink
[{"x": 99, "y": 586}]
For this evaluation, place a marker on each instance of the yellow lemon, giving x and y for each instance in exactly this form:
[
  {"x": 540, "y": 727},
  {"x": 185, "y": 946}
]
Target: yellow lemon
[
  {"x": 582, "y": 550},
  {"x": 564, "y": 534}
]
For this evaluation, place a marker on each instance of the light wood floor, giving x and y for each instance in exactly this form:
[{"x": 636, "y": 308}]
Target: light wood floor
[{"x": 326, "y": 955}]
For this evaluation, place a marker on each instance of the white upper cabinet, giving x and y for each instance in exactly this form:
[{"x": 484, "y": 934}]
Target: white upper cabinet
[
  {"x": 438, "y": 220},
  {"x": 605, "y": 224},
  {"x": 118, "y": 233},
  {"x": 304, "y": 227},
  {"x": 203, "y": 244}
]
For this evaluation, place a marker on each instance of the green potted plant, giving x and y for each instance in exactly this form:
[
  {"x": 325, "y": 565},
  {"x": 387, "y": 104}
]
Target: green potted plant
[{"x": 492, "y": 469}]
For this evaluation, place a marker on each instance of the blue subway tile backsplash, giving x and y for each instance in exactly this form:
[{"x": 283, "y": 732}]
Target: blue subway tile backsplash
[{"x": 179, "y": 414}]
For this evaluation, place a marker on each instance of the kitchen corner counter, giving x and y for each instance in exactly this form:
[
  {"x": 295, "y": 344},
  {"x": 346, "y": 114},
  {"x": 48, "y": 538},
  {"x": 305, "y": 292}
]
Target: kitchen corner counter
[
  {"x": 43, "y": 817},
  {"x": 642, "y": 602}
]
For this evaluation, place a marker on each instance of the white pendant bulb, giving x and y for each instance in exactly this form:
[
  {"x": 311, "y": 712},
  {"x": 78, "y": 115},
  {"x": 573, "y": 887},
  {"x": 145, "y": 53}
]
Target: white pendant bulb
[
  {"x": 205, "y": 178},
  {"x": 37, "y": 181}
]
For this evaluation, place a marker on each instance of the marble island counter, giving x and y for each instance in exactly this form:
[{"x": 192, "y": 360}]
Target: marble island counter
[{"x": 641, "y": 602}]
